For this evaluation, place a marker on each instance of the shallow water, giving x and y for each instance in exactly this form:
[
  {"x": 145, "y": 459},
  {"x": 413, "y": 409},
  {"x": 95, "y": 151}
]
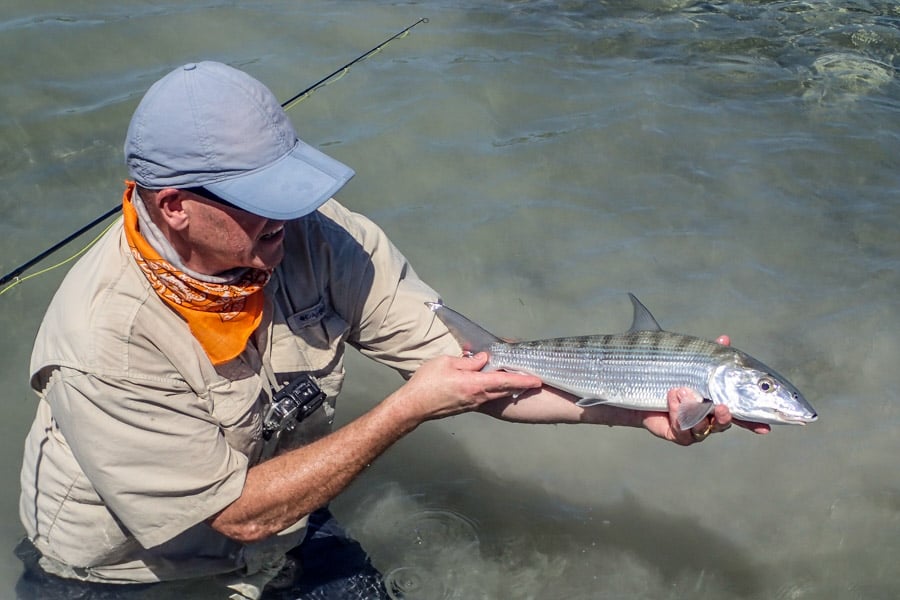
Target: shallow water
[{"x": 733, "y": 164}]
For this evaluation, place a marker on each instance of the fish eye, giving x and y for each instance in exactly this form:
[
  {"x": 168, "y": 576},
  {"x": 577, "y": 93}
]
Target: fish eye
[{"x": 767, "y": 384}]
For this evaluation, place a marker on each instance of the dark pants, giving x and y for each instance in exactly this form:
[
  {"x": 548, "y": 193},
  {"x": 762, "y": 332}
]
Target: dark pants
[{"x": 328, "y": 565}]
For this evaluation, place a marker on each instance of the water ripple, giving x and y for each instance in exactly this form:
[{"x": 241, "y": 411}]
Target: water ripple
[
  {"x": 430, "y": 542},
  {"x": 410, "y": 583}
]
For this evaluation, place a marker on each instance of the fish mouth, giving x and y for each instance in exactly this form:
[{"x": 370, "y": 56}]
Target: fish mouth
[{"x": 798, "y": 419}]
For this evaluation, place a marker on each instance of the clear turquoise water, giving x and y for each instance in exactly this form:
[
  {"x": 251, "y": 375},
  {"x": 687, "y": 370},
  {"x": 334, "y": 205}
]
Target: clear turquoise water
[{"x": 734, "y": 164}]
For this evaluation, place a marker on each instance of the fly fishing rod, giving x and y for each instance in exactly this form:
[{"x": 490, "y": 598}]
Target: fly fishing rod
[{"x": 286, "y": 105}]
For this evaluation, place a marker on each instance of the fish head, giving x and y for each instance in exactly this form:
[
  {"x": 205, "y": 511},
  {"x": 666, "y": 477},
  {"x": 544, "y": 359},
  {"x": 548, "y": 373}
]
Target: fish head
[{"x": 754, "y": 392}]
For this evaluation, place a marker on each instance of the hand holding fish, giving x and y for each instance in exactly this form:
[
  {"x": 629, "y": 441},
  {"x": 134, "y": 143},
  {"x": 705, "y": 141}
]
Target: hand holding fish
[
  {"x": 665, "y": 424},
  {"x": 447, "y": 386}
]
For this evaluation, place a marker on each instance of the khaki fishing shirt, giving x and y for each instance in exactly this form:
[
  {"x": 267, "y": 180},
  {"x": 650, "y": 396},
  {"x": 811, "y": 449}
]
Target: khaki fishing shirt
[{"x": 139, "y": 439}]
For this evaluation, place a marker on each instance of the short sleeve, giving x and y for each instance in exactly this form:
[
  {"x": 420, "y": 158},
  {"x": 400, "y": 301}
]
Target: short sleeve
[
  {"x": 152, "y": 450},
  {"x": 384, "y": 297}
]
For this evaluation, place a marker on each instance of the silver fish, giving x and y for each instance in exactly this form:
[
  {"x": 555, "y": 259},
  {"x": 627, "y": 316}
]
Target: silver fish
[{"x": 636, "y": 369}]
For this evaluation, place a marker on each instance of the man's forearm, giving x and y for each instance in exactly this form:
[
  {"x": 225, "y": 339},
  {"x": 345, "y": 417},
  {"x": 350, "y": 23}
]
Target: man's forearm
[
  {"x": 548, "y": 405},
  {"x": 280, "y": 491}
]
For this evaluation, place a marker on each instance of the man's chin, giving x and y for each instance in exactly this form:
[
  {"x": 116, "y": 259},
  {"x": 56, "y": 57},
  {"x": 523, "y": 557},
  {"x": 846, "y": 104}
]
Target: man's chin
[{"x": 268, "y": 260}]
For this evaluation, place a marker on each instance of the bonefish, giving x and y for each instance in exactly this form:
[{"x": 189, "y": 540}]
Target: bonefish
[{"x": 636, "y": 369}]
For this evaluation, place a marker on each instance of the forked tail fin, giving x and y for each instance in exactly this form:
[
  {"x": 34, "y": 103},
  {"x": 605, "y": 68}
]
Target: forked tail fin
[{"x": 470, "y": 336}]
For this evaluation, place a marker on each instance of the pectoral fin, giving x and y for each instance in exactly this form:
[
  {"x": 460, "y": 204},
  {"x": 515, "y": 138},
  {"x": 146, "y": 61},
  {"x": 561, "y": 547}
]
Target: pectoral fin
[
  {"x": 584, "y": 402},
  {"x": 691, "y": 413}
]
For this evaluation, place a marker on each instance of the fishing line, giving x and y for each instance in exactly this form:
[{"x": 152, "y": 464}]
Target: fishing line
[
  {"x": 286, "y": 105},
  {"x": 18, "y": 280}
]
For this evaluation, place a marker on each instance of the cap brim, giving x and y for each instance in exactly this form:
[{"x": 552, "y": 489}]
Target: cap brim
[{"x": 293, "y": 186}]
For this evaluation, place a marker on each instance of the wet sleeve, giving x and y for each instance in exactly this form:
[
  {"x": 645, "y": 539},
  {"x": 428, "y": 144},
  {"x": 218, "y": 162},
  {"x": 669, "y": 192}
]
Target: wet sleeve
[{"x": 152, "y": 451}]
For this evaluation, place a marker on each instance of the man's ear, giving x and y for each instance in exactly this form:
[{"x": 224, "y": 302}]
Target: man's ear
[{"x": 171, "y": 209}]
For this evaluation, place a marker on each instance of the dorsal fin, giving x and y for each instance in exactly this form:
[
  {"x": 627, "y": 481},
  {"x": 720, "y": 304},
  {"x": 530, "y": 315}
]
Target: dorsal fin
[{"x": 643, "y": 320}]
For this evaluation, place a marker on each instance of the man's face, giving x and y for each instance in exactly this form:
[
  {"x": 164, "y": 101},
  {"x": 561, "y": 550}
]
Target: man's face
[{"x": 220, "y": 237}]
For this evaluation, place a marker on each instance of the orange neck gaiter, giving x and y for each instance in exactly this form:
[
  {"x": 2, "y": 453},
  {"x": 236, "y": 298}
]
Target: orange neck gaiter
[{"x": 221, "y": 316}]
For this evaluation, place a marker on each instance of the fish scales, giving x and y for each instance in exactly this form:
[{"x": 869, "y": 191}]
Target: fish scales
[{"x": 634, "y": 369}]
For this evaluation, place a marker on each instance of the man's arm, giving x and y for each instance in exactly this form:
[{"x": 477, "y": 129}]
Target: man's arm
[
  {"x": 553, "y": 406},
  {"x": 280, "y": 491}
]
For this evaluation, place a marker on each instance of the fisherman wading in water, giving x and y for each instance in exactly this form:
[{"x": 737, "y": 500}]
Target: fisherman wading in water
[{"x": 187, "y": 367}]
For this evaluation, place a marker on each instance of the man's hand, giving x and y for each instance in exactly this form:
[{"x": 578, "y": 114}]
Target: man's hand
[
  {"x": 446, "y": 386},
  {"x": 665, "y": 425}
]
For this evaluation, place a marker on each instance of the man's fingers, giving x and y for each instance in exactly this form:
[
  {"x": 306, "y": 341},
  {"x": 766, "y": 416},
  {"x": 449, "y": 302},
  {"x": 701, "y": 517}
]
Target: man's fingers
[
  {"x": 702, "y": 430},
  {"x": 721, "y": 418},
  {"x": 501, "y": 382},
  {"x": 716, "y": 422},
  {"x": 754, "y": 427},
  {"x": 474, "y": 362},
  {"x": 505, "y": 383}
]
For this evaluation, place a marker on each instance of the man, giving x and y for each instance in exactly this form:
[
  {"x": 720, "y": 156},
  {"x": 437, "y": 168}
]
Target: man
[{"x": 178, "y": 356}]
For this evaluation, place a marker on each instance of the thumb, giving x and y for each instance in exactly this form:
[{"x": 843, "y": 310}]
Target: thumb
[{"x": 476, "y": 362}]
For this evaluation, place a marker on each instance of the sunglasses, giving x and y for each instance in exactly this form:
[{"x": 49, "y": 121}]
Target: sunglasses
[{"x": 205, "y": 193}]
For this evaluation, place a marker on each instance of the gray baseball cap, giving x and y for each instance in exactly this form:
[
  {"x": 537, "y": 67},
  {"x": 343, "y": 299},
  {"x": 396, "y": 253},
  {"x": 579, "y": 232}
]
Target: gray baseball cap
[{"x": 210, "y": 125}]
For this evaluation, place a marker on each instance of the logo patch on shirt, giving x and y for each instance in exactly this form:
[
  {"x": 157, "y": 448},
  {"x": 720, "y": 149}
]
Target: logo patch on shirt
[{"x": 308, "y": 317}]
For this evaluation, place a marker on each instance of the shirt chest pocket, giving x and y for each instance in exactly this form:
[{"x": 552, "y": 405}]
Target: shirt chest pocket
[{"x": 310, "y": 341}]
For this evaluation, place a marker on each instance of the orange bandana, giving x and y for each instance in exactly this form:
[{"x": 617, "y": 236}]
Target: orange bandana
[{"x": 221, "y": 316}]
